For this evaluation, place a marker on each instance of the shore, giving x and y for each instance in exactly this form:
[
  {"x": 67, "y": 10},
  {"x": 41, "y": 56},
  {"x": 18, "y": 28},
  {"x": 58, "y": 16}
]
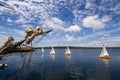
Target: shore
[{"x": 75, "y": 47}]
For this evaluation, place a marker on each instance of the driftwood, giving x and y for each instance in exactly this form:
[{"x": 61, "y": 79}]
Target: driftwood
[{"x": 11, "y": 46}]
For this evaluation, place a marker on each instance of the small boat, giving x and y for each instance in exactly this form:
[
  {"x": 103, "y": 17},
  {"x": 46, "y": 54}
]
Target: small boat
[
  {"x": 52, "y": 52},
  {"x": 2, "y": 66},
  {"x": 42, "y": 50},
  {"x": 104, "y": 53},
  {"x": 67, "y": 52}
]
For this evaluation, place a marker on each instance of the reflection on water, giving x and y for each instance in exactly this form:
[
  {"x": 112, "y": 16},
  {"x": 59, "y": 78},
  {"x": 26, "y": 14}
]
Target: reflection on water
[
  {"x": 42, "y": 56},
  {"x": 106, "y": 62},
  {"x": 83, "y": 64},
  {"x": 76, "y": 73},
  {"x": 52, "y": 57},
  {"x": 68, "y": 57}
]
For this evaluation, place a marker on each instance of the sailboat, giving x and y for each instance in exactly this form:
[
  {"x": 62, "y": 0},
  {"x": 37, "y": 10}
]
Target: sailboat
[
  {"x": 42, "y": 50},
  {"x": 52, "y": 52},
  {"x": 67, "y": 52},
  {"x": 104, "y": 53}
]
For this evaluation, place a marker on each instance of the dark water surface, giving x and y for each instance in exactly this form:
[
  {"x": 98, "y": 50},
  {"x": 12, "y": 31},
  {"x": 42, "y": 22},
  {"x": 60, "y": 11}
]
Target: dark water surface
[{"x": 83, "y": 64}]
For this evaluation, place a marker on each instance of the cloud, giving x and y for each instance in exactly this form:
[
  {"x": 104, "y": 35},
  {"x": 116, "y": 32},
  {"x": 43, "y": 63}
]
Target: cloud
[
  {"x": 88, "y": 4},
  {"x": 73, "y": 28},
  {"x": 93, "y": 39},
  {"x": 54, "y": 23},
  {"x": 93, "y": 22},
  {"x": 21, "y": 20},
  {"x": 100, "y": 33},
  {"x": 46, "y": 13},
  {"x": 38, "y": 0},
  {"x": 16, "y": 33},
  {"x": 9, "y": 20},
  {"x": 2, "y": 39},
  {"x": 19, "y": 32},
  {"x": 20, "y": 3},
  {"x": 69, "y": 38},
  {"x": 105, "y": 18},
  {"x": 109, "y": 41},
  {"x": 57, "y": 24}
]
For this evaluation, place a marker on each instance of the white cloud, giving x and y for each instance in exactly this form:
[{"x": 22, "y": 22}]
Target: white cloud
[
  {"x": 24, "y": 26},
  {"x": 109, "y": 41},
  {"x": 69, "y": 38},
  {"x": 19, "y": 3},
  {"x": 57, "y": 24},
  {"x": 88, "y": 4},
  {"x": 9, "y": 20},
  {"x": 11, "y": 32},
  {"x": 93, "y": 22},
  {"x": 38, "y": 0},
  {"x": 21, "y": 20},
  {"x": 57, "y": 21},
  {"x": 32, "y": 12},
  {"x": 97, "y": 34},
  {"x": 19, "y": 32},
  {"x": 73, "y": 28},
  {"x": 16, "y": 34},
  {"x": 2, "y": 39},
  {"x": 54, "y": 23},
  {"x": 105, "y": 18}
]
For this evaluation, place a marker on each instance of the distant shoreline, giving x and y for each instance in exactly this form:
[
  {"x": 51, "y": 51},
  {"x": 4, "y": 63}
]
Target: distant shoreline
[{"x": 76, "y": 47}]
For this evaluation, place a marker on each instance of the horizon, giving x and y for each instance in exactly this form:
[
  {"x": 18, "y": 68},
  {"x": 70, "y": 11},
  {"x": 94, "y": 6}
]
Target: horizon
[{"x": 74, "y": 22}]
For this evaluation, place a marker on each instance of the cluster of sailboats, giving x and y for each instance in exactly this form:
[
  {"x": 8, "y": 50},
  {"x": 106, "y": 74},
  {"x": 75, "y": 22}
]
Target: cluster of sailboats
[
  {"x": 52, "y": 51},
  {"x": 103, "y": 55}
]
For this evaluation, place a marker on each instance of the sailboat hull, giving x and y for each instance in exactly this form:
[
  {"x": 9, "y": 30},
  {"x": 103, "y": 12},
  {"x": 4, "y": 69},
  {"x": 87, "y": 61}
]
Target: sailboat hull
[
  {"x": 67, "y": 54},
  {"x": 105, "y": 57},
  {"x": 104, "y": 54},
  {"x": 52, "y": 53}
]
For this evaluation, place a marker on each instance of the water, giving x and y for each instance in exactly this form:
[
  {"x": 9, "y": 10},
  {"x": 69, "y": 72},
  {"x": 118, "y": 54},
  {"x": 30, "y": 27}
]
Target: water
[{"x": 83, "y": 64}]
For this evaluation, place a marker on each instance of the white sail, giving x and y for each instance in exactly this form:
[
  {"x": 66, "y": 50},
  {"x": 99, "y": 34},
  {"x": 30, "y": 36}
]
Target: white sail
[
  {"x": 52, "y": 51},
  {"x": 67, "y": 52},
  {"x": 104, "y": 53},
  {"x": 42, "y": 50}
]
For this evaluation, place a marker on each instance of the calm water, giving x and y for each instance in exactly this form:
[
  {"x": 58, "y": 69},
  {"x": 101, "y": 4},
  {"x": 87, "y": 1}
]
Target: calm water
[{"x": 83, "y": 64}]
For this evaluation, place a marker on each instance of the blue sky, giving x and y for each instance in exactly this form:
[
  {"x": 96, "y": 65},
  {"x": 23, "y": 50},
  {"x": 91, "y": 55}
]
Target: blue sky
[{"x": 74, "y": 22}]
